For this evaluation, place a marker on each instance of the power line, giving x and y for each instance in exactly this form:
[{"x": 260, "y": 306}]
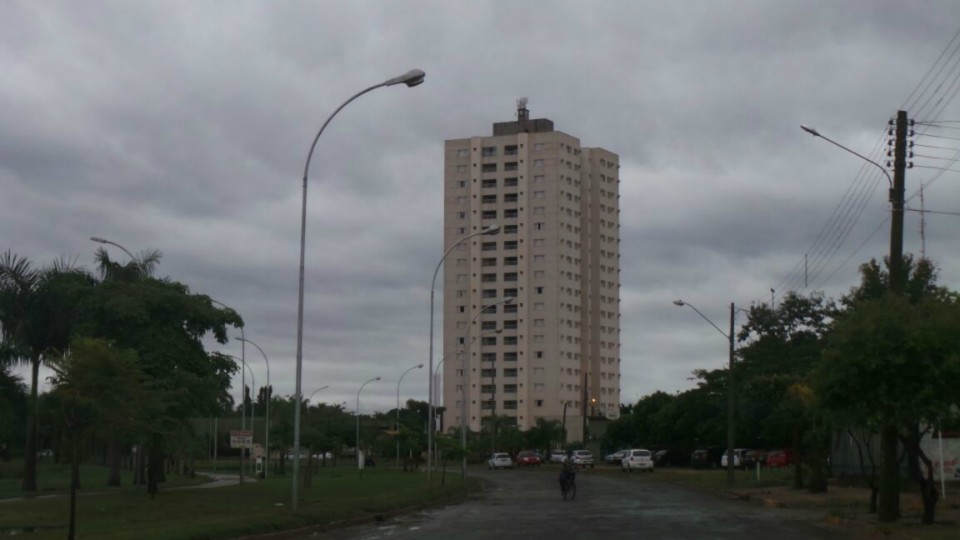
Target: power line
[{"x": 933, "y": 212}]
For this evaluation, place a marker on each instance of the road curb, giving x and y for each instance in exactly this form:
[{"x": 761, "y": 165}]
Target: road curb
[{"x": 361, "y": 520}]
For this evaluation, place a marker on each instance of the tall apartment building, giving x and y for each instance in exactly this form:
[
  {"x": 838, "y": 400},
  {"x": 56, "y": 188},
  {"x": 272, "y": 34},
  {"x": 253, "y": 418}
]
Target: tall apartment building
[{"x": 557, "y": 255}]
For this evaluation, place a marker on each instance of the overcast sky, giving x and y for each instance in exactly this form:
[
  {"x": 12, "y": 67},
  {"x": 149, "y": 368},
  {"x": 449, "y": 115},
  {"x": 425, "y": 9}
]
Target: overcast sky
[{"x": 184, "y": 126}]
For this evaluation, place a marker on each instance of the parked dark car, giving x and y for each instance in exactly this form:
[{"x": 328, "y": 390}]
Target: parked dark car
[
  {"x": 706, "y": 458},
  {"x": 754, "y": 457},
  {"x": 664, "y": 458}
]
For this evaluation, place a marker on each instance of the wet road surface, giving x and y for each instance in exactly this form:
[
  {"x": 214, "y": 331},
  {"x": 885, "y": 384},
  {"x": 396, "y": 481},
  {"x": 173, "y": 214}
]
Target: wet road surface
[{"x": 526, "y": 504}]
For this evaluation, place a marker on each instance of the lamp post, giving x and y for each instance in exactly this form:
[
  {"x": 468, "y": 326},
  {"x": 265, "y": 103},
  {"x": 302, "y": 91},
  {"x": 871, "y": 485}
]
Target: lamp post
[
  {"x": 436, "y": 370},
  {"x": 410, "y": 78},
  {"x": 358, "y": 417},
  {"x": 889, "y": 504},
  {"x": 465, "y": 382},
  {"x": 564, "y": 423},
  {"x": 243, "y": 402},
  {"x": 99, "y": 240},
  {"x": 324, "y": 387},
  {"x": 418, "y": 366},
  {"x": 730, "y": 387},
  {"x": 494, "y": 229},
  {"x": 266, "y": 442},
  {"x": 243, "y": 384}
]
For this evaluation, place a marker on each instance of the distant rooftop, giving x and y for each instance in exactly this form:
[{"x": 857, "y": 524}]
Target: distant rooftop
[{"x": 523, "y": 123}]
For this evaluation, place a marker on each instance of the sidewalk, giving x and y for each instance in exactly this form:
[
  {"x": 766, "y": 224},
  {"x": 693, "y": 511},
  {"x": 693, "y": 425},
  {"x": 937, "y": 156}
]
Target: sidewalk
[{"x": 847, "y": 507}]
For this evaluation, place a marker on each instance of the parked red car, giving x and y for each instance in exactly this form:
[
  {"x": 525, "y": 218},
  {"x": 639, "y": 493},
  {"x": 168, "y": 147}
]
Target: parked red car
[
  {"x": 780, "y": 458},
  {"x": 528, "y": 458}
]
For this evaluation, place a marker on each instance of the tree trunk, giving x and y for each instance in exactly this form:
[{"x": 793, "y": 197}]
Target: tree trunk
[
  {"x": 113, "y": 461},
  {"x": 889, "y": 508},
  {"x": 74, "y": 486},
  {"x": 30, "y": 459},
  {"x": 797, "y": 462},
  {"x": 928, "y": 488},
  {"x": 154, "y": 467}
]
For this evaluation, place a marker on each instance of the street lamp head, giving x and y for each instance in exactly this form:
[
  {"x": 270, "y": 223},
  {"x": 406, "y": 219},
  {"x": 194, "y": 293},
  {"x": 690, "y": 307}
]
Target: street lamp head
[
  {"x": 509, "y": 300},
  {"x": 493, "y": 229},
  {"x": 98, "y": 240},
  {"x": 810, "y": 130},
  {"x": 678, "y": 303},
  {"x": 410, "y": 78},
  {"x": 419, "y": 366},
  {"x": 376, "y": 378}
]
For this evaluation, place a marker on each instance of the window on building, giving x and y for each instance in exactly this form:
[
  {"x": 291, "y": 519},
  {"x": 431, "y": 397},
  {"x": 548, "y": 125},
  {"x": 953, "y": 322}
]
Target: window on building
[
  {"x": 510, "y": 245},
  {"x": 538, "y": 163},
  {"x": 510, "y": 325},
  {"x": 509, "y": 340},
  {"x": 538, "y": 354},
  {"x": 510, "y": 182},
  {"x": 537, "y": 306},
  {"x": 510, "y": 197},
  {"x": 509, "y": 261},
  {"x": 488, "y": 278},
  {"x": 488, "y": 325},
  {"x": 488, "y": 340},
  {"x": 488, "y": 261},
  {"x": 510, "y": 150},
  {"x": 510, "y": 213},
  {"x": 510, "y": 166},
  {"x": 510, "y": 292},
  {"x": 509, "y": 229},
  {"x": 488, "y": 199},
  {"x": 461, "y": 278},
  {"x": 510, "y": 357},
  {"x": 538, "y": 274},
  {"x": 488, "y": 183},
  {"x": 488, "y": 214},
  {"x": 488, "y": 167},
  {"x": 489, "y": 151},
  {"x": 510, "y": 372},
  {"x": 488, "y": 357},
  {"x": 488, "y": 246},
  {"x": 539, "y": 258},
  {"x": 539, "y": 226},
  {"x": 509, "y": 389},
  {"x": 463, "y": 153},
  {"x": 510, "y": 276},
  {"x": 488, "y": 388},
  {"x": 538, "y": 322},
  {"x": 538, "y": 402},
  {"x": 539, "y": 194},
  {"x": 539, "y": 147},
  {"x": 510, "y": 308},
  {"x": 489, "y": 293}
]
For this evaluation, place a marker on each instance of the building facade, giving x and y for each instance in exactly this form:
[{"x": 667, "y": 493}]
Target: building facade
[{"x": 531, "y": 315}]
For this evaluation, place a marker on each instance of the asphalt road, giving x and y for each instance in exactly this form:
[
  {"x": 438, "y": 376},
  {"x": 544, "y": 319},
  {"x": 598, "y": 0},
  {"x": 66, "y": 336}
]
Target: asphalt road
[{"x": 526, "y": 504}]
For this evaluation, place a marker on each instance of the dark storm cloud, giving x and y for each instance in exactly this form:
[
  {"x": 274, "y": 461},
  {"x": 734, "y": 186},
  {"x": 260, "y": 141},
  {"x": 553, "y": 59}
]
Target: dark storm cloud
[{"x": 184, "y": 126}]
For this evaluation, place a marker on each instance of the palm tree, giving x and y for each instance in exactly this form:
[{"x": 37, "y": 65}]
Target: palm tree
[{"x": 38, "y": 308}]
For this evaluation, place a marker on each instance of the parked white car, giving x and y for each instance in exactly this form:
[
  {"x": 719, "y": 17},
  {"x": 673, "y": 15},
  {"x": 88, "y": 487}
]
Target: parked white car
[
  {"x": 638, "y": 458},
  {"x": 583, "y": 458},
  {"x": 500, "y": 460},
  {"x": 738, "y": 454},
  {"x": 557, "y": 456}
]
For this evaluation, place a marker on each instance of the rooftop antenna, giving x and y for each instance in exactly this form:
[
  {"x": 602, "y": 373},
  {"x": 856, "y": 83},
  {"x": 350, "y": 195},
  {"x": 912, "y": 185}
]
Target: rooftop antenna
[{"x": 522, "y": 113}]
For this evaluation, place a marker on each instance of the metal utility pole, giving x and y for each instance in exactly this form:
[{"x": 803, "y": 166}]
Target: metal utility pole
[{"x": 730, "y": 403}]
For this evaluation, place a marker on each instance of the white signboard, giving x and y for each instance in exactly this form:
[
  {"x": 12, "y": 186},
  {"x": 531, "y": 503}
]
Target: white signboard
[{"x": 241, "y": 439}]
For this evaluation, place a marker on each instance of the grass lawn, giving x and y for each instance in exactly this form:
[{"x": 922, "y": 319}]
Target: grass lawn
[
  {"x": 55, "y": 477},
  {"x": 337, "y": 494}
]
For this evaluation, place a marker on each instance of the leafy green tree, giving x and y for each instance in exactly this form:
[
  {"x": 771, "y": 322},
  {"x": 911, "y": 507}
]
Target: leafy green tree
[
  {"x": 13, "y": 410},
  {"x": 894, "y": 361},
  {"x": 97, "y": 385},
  {"x": 38, "y": 311},
  {"x": 544, "y": 434},
  {"x": 165, "y": 324}
]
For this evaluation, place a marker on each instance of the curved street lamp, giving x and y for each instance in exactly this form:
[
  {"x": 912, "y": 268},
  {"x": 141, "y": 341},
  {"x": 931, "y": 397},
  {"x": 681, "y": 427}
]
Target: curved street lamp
[
  {"x": 465, "y": 365},
  {"x": 358, "y": 417},
  {"x": 324, "y": 387},
  {"x": 99, "y": 240},
  {"x": 730, "y": 387},
  {"x": 418, "y": 366},
  {"x": 436, "y": 371},
  {"x": 266, "y": 442},
  {"x": 492, "y": 230},
  {"x": 411, "y": 78}
]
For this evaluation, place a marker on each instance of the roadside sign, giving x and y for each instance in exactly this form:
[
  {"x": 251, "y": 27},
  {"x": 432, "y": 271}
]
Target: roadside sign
[{"x": 240, "y": 438}]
